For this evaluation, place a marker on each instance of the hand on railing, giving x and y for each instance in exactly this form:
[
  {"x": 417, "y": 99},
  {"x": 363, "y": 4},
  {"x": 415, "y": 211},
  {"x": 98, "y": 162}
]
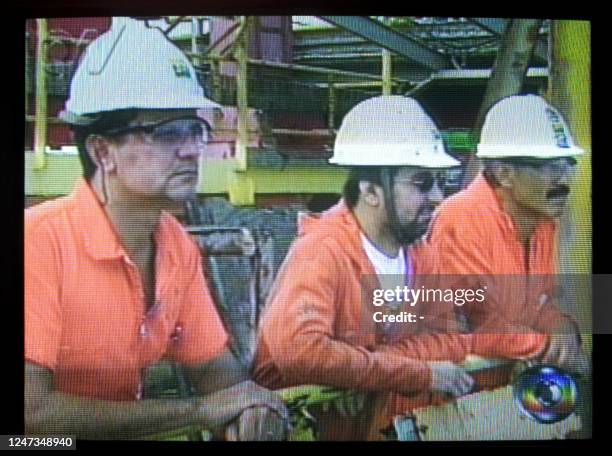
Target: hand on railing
[{"x": 258, "y": 424}]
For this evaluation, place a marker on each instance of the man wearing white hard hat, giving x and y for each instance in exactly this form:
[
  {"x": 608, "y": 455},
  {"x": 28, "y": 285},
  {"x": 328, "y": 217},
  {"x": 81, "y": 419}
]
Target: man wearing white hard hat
[
  {"x": 113, "y": 283},
  {"x": 313, "y": 329},
  {"x": 502, "y": 228}
]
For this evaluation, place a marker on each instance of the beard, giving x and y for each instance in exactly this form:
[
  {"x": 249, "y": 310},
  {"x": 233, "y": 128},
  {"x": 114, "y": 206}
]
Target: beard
[{"x": 408, "y": 233}]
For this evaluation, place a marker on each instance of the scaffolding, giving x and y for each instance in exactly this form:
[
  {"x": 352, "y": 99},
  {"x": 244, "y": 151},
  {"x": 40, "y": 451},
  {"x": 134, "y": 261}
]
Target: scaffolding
[{"x": 299, "y": 104}]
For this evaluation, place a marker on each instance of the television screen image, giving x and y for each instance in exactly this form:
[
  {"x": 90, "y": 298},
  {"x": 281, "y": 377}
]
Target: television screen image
[{"x": 308, "y": 228}]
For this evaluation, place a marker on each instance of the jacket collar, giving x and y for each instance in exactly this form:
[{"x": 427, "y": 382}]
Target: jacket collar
[{"x": 348, "y": 230}]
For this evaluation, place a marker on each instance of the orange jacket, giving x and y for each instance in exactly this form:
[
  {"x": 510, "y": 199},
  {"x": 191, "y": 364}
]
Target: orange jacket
[
  {"x": 474, "y": 236},
  {"x": 313, "y": 330},
  {"x": 476, "y": 240}
]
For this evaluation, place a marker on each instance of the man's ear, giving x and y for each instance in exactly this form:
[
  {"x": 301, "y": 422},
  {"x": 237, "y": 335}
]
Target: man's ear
[
  {"x": 371, "y": 193},
  {"x": 99, "y": 149}
]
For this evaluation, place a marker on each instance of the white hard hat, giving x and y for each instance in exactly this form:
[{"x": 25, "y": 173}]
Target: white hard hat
[
  {"x": 390, "y": 130},
  {"x": 132, "y": 66},
  {"x": 525, "y": 126}
]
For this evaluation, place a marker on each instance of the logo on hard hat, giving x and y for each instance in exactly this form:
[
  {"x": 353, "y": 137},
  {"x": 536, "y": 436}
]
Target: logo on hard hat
[
  {"x": 436, "y": 138},
  {"x": 180, "y": 69},
  {"x": 558, "y": 128}
]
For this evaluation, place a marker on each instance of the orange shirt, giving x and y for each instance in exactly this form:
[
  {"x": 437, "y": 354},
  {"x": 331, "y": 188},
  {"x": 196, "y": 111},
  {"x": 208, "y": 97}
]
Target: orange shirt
[
  {"x": 475, "y": 235},
  {"x": 313, "y": 330},
  {"x": 472, "y": 235},
  {"x": 85, "y": 315}
]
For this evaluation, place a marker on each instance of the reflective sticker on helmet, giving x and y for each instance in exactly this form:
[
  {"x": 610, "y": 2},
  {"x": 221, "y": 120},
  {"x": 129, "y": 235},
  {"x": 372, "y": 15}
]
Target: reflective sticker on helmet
[
  {"x": 180, "y": 69},
  {"x": 558, "y": 128}
]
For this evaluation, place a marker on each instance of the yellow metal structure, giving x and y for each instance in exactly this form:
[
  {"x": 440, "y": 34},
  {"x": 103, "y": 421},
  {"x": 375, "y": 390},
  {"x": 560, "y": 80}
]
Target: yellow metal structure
[
  {"x": 218, "y": 177},
  {"x": 40, "y": 127},
  {"x": 387, "y": 72},
  {"x": 241, "y": 189},
  {"x": 570, "y": 91},
  {"x": 56, "y": 178},
  {"x": 241, "y": 56}
]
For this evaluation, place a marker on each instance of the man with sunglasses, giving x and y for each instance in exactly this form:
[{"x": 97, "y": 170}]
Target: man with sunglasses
[
  {"x": 113, "y": 283},
  {"x": 317, "y": 328},
  {"x": 501, "y": 229}
]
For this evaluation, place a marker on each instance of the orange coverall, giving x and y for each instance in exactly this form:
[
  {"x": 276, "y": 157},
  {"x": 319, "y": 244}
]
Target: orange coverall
[
  {"x": 313, "y": 331},
  {"x": 475, "y": 238},
  {"x": 473, "y": 235}
]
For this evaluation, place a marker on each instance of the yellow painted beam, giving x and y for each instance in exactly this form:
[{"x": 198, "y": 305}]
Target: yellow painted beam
[
  {"x": 570, "y": 91},
  {"x": 387, "y": 82},
  {"x": 40, "y": 127},
  {"x": 241, "y": 56},
  {"x": 241, "y": 189},
  {"x": 61, "y": 172},
  {"x": 327, "y": 179},
  {"x": 56, "y": 178}
]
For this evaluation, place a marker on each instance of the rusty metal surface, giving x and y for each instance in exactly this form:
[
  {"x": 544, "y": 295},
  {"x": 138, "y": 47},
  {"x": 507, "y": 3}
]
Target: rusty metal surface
[{"x": 242, "y": 250}]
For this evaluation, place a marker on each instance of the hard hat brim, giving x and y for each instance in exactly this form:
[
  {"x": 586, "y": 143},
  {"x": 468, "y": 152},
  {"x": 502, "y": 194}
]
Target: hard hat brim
[
  {"x": 527, "y": 151},
  {"x": 394, "y": 155}
]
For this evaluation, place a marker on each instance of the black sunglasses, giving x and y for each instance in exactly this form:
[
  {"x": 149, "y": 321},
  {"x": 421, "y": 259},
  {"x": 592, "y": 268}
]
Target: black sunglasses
[{"x": 425, "y": 181}]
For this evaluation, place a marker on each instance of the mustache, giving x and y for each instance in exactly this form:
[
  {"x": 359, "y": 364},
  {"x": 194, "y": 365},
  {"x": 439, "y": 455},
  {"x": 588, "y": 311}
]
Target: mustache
[{"x": 561, "y": 190}]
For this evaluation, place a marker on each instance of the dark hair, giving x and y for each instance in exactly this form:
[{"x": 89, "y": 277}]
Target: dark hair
[
  {"x": 106, "y": 121},
  {"x": 372, "y": 174}
]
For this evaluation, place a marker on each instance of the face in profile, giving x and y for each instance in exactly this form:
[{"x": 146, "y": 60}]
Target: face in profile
[
  {"x": 158, "y": 154},
  {"x": 544, "y": 185},
  {"x": 416, "y": 193}
]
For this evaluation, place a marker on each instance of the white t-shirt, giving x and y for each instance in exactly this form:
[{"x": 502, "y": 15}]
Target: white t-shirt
[
  {"x": 391, "y": 271},
  {"x": 383, "y": 264}
]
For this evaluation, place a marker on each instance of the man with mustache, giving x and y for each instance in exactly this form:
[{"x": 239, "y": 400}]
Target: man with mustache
[
  {"x": 502, "y": 230},
  {"x": 317, "y": 328},
  {"x": 113, "y": 283}
]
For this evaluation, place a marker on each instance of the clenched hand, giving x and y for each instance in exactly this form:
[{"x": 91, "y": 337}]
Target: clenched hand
[{"x": 449, "y": 379}]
